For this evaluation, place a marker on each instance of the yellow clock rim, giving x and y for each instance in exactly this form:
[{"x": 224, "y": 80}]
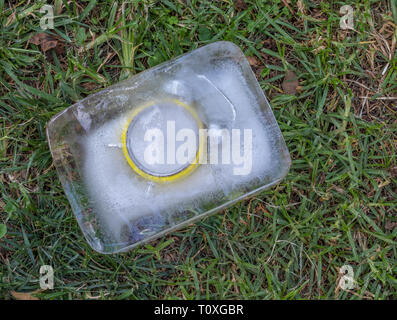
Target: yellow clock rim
[{"x": 161, "y": 179}]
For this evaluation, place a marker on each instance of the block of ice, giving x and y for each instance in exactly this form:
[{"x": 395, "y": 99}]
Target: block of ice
[{"x": 101, "y": 146}]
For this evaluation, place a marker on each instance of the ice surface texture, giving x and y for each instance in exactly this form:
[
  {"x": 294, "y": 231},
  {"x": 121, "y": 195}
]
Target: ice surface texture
[{"x": 116, "y": 208}]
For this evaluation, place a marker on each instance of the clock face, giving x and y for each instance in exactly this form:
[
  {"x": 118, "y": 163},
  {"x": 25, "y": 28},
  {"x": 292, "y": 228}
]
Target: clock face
[{"x": 161, "y": 139}]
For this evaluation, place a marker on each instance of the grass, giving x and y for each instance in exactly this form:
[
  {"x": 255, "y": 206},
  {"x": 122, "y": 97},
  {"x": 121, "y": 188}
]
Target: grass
[{"x": 336, "y": 207}]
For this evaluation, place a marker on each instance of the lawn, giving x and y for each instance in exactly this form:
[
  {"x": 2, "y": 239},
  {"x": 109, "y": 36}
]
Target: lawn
[{"x": 336, "y": 207}]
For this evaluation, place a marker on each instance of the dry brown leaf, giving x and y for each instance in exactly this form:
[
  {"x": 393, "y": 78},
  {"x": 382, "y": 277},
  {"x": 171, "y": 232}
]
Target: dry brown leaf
[
  {"x": 47, "y": 45},
  {"x": 24, "y": 295},
  {"x": 90, "y": 85},
  {"x": 290, "y": 84},
  {"x": 390, "y": 225},
  {"x": 46, "y": 42},
  {"x": 253, "y": 61},
  {"x": 37, "y": 38},
  {"x": 240, "y": 5}
]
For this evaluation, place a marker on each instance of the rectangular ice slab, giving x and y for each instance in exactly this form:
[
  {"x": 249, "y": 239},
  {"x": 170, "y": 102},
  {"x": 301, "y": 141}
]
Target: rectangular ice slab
[{"x": 103, "y": 147}]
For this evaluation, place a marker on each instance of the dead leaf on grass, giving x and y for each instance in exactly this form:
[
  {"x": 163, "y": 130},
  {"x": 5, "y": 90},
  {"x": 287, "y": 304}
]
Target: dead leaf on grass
[
  {"x": 390, "y": 225},
  {"x": 240, "y": 5},
  {"x": 253, "y": 61},
  {"x": 47, "y": 42},
  {"x": 290, "y": 84},
  {"x": 24, "y": 295}
]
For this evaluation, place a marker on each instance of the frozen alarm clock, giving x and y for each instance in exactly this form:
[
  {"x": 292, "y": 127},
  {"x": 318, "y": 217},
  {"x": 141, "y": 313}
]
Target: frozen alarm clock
[{"x": 161, "y": 140}]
